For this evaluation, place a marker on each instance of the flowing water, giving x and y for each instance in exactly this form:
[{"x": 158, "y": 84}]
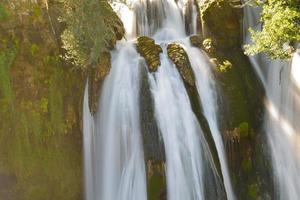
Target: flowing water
[
  {"x": 281, "y": 124},
  {"x": 114, "y": 157},
  {"x": 179, "y": 128},
  {"x": 208, "y": 94},
  {"x": 88, "y": 146}
]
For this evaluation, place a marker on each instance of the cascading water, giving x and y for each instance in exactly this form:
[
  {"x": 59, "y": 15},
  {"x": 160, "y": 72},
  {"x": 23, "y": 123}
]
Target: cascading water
[
  {"x": 88, "y": 146},
  {"x": 118, "y": 128},
  {"x": 179, "y": 128},
  {"x": 114, "y": 158},
  {"x": 281, "y": 123},
  {"x": 208, "y": 94}
]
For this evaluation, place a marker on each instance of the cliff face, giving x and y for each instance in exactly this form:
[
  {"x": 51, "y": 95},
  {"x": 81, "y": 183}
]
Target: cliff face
[
  {"x": 40, "y": 109},
  {"x": 241, "y": 99}
]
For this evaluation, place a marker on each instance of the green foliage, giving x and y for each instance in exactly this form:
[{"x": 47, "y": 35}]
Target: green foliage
[
  {"x": 281, "y": 29},
  {"x": 91, "y": 28},
  {"x": 3, "y": 13}
]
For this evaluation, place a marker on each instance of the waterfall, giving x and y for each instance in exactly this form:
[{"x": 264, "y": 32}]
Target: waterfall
[
  {"x": 179, "y": 128},
  {"x": 206, "y": 87},
  {"x": 113, "y": 148},
  {"x": 118, "y": 126},
  {"x": 281, "y": 123},
  {"x": 88, "y": 138}
]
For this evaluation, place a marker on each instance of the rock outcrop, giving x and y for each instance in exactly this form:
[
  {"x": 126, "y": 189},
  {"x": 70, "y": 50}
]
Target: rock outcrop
[
  {"x": 150, "y": 51},
  {"x": 154, "y": 152},
  {"x": 96, "y": 76},
  {"x": 241, "y": 100},
  {"x": 177, "y": 54}
]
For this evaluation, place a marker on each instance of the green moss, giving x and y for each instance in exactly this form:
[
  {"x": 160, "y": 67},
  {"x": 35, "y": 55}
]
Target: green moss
[
  {"x": 179, "y": 57},
  {"x": 150, "y": 51},
  {"x": 225, "y": 66},
  {"x": 40, "y": 101},
  {"x": 56, "y": 102},
  {"x": 220, "y": 21},
  {"x": 44, "y": 105},
  {"x": 252, "y": 191},
  {"x": 247, "y": 165},
  {"x": 34, "y": 49},
  {"x": 3, "y": 13},
  {"x": 6, "y": 60},
  {"x": 244, "y": 129}
]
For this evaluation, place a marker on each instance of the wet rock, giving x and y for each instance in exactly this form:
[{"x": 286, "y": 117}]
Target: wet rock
[
  {"x": 96, "y": 76},
  {"x": 180, "y": 58},
  {"x": 154, "y": 153},
  {"x": 196, "y": 41},
  {"x": 150, "y": 51},
  {"x": 209, "y": 45},
  {"x": 153, "y": 143},
  {"x": 220, "y": 21}
]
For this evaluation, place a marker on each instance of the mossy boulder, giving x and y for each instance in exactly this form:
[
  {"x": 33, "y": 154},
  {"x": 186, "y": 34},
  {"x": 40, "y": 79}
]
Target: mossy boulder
[
  {"x": 196, "y": 40},
  {"x": 96, "y": 76},
  {"x": 241, "y": 108},
  {"x": 220, "y": 21},
  {"x": 177, "y": 54},
  {"x": 118, "y": 28},
  {"x": 150, "y": 51},
  {"x": 209, "y": 45}
]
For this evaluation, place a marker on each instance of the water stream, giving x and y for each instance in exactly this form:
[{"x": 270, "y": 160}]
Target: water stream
[
  {"x": 114, "y": 157},
  {"x": 281, "y": 123}
]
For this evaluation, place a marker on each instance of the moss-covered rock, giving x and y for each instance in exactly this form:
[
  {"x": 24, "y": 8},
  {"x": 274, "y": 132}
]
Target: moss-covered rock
[
  {"x": 241, "y": 97},
  {"x": 96, "y": 76},
  {"x": 180, "y": 58},
  {"x": 150, "y": 51},
  {"x": 196, "y": 40},
  {"x": 209, "y": 45},
  {"x": 220, "y": 21},
  {"x": 40, "y": 111},
  {"x": 241, "y": 108},
  {"x": 154, "y": 152}
]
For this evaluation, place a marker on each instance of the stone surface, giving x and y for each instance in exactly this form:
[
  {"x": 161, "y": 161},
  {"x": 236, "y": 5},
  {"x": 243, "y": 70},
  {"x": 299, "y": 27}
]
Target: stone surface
[
  {"x": 180, "y": 58},
  {"x": 150, "y": 51},
  {"x": 196, "y": 40},
  {"x": 96, "y": 76}
]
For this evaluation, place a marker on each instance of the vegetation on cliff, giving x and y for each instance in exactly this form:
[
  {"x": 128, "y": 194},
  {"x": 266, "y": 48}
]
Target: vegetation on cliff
[
  {"x": 92, "y": 28},
  {"x": 280, "y": 29},
  {"x": 40, "y": 106}
]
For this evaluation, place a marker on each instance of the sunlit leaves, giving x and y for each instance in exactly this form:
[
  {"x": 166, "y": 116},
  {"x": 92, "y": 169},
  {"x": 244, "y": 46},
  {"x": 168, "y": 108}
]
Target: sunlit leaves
[{"x": 280, "y": 30}]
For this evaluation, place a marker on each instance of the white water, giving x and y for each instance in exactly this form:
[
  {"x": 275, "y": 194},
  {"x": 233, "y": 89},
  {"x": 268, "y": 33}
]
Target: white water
[
  {"x": 119, "y": 171},
  {"x": 114, "y": 163},
  {"x": 208, "y": 95},
  {"x": 281, "y": 124},
  {"x": 180, "y": 129},
  {"x": 88, "y": 136},
  {"x": 174, "y": 30}
]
